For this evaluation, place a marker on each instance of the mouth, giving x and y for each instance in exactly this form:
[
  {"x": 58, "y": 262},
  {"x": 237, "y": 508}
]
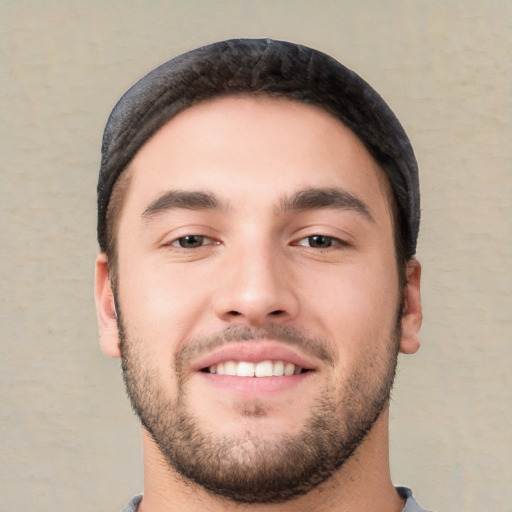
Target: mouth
[
  {"x": 255, "y": 368},
  {"x": 266, "y": 368},
  {"x": 260, "y": 358}
]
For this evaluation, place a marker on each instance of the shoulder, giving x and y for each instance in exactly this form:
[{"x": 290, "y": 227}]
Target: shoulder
[
  {"x": 411, "y": 505},
  {"x": 133, "y": 504}
]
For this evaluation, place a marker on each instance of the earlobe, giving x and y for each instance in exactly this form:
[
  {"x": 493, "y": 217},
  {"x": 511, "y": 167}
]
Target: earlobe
[
  {"x": 106, "y": 309},
  {"x": 412, "y": 313}
]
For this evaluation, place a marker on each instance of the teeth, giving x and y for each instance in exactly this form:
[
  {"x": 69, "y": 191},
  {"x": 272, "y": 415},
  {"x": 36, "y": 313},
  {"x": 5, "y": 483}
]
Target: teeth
[
  {"x": 230, "y": 368},
  {"x": 264, "y": 369},
  {"x": 244, "y": 369},
  {"x": 289, "y": 369},
  {"x": 278, "y": 369},
  {"x": 261, "y": 369}
]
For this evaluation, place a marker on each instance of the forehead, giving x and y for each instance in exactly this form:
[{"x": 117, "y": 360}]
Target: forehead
[{"x": 250, "y": 146}]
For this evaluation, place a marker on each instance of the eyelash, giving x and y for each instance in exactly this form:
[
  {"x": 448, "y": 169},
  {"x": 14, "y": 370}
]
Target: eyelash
[
  {"x": 183, "y": 239},
  {"x": 332, "y": 241},
  {"x": 314, "y": 241}
]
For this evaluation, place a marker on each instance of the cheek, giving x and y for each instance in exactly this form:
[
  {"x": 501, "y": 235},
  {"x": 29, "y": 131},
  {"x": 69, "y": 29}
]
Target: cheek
[
  {"x": 160, "y": 302},
  {"x": 356, "y": 289},
  {"x": 356, "y": 305}
]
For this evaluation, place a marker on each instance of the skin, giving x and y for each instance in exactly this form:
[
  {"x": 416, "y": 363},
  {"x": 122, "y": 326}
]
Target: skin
[{"x": 255, "y": 268}]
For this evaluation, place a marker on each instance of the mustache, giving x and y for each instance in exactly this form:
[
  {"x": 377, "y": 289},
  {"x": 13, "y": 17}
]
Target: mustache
[{"x": 284, "y": 334}]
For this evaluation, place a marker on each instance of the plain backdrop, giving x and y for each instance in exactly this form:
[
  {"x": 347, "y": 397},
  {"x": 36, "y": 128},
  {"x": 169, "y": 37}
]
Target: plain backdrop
[{"x": 69, "y": 441}]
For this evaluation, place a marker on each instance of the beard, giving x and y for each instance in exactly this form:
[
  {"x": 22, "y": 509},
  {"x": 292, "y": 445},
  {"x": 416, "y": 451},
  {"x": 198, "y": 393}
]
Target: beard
[{"x": 248, "y": 468}]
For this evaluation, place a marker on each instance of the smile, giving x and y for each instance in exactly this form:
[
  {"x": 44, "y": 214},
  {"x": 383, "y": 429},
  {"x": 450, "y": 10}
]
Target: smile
[{"x": 255, "y": 369}]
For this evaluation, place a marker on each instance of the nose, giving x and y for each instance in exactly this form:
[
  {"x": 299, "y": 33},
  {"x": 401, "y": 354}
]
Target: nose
[{"x": 255, "y": 286}]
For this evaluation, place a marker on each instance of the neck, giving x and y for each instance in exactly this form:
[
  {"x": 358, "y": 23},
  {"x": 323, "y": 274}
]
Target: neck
[{"x": 362, "y": 484}]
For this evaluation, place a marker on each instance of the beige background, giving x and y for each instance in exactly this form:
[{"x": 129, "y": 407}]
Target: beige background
[{"x": 69, "y": 442}]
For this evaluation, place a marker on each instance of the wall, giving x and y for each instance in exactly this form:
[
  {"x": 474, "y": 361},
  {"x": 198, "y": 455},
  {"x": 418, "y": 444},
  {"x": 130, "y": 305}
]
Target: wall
[{"x": 69, "y": 439}]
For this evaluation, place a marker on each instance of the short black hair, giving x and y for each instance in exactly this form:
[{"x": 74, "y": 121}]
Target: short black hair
[{"x": 272, "y": 68}]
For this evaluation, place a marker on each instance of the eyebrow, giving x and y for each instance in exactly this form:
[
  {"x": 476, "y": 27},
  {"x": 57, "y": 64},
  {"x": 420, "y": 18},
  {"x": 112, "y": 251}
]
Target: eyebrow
[
  {"x": 302, "y": 200},
  {"x": 189, "y": 200},
  {"x": 318, "y": 198}
]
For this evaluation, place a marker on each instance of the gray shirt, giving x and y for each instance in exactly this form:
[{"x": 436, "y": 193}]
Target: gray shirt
[{"x": 411, "y": 505}]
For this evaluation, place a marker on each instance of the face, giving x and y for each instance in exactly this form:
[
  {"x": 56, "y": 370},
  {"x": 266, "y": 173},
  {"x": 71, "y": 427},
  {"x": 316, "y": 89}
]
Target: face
[{"x": 257, "y": 299}]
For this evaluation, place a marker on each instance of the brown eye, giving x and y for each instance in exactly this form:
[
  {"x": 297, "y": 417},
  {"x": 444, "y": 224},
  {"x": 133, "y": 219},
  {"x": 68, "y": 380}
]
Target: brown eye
[
  {"x": 319, "y": 241},
  {"x": 191, "y": 241}
]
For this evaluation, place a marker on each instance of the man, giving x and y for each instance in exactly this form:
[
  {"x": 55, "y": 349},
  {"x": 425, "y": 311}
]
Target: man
[{"x": 258, "y": 210}]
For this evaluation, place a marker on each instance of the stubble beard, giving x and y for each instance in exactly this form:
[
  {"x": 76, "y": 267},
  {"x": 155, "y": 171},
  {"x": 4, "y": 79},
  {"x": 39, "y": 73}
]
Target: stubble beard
[{"x": 248, "y": 468}]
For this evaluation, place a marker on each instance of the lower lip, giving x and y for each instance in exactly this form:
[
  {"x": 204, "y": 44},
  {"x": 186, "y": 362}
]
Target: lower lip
[{"x": 254, "y": 385}]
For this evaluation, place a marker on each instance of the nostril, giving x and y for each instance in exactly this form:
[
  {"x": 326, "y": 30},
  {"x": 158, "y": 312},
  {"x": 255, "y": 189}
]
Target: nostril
[{"x": 275, "y": 313}]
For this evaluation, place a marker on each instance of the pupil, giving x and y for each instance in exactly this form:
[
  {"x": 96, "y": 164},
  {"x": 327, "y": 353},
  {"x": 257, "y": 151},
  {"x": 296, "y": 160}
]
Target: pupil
[
  {"x": 320, "y": 241},
  {"x": 191, "y": 241}
]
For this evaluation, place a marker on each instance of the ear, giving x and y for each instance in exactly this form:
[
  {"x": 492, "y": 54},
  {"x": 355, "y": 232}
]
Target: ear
[
  {"x": 106, "y": 309},
  {"x": 412, "y": 314}
]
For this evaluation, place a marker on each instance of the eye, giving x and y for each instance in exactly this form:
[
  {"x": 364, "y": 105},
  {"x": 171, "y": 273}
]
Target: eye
[
  {"x": 319, "y": 242},
  {"x": 192, "y": 241}
]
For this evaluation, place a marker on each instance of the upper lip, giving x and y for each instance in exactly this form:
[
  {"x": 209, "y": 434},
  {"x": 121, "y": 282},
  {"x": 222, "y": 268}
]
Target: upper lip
[{"x": 253, "y": 351}]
